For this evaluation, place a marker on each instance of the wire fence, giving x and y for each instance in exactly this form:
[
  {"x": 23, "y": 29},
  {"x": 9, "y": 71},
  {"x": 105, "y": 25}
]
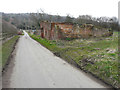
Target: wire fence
[{"x": 5, "y": 37}]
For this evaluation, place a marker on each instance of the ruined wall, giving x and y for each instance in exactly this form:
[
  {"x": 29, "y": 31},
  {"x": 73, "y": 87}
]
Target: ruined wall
[
  {"x": 45, "y": 29},
  {"x": 82, "y": 31},
  {"x": 86, "y": 30},
  {"x": 54, "y": 31},
  {"x": 65, "y": 30},
  {"x": 101, "y": 32}
]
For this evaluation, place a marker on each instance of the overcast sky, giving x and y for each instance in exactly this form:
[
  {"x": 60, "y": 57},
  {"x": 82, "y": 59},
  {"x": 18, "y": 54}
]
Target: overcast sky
[{"x": 75, "y": 8}]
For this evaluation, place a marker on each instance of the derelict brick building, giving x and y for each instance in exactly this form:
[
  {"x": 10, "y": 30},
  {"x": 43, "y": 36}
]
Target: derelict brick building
[{"x": 54, "y": 31}]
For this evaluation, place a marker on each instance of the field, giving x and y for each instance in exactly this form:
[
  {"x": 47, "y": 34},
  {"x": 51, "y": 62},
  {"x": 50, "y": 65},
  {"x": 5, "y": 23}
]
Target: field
[{"x": 98, "y": 56}]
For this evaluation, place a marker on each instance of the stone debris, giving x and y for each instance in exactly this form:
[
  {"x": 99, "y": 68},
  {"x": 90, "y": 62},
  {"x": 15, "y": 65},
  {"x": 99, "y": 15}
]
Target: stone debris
[{"x": 110, "y": 50}]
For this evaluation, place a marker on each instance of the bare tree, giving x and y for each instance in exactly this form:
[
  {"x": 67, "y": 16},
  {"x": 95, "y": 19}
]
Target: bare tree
[{"x": 69, "y": 19}]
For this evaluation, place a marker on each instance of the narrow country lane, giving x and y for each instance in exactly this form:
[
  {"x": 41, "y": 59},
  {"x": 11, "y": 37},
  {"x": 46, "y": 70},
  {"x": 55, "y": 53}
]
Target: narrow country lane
[{"x": 36, "y": 67}]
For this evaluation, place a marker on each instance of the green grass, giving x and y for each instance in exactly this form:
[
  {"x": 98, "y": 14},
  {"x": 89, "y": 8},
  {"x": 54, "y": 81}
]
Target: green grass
[
  {"x": 48, "y": 44},
  {"x": 98, "y": 56},
  {"x": 7, "y": 48}
]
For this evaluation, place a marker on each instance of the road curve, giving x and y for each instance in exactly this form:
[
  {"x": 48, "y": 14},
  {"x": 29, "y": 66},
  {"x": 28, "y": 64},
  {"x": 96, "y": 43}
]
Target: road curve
[{"x": 37, "y": 67}]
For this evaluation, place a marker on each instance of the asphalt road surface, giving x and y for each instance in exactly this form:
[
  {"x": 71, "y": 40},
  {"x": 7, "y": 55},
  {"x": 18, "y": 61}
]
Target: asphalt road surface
[{"x": 36, "y": 67}]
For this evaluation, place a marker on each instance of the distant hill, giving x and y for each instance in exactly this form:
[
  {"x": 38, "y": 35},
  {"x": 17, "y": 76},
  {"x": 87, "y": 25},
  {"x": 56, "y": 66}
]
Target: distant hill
[
  {"x": 32, "y": 20},
  {"x": 8, "y": 29}
]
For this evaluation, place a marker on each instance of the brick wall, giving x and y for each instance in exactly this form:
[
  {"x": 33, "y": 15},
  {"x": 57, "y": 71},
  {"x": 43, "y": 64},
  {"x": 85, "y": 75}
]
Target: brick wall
[{"x": 54, "y": 31}]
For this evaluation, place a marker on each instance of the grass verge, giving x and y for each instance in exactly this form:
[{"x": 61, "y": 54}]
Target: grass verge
[{"x": 7, "y": 49}]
